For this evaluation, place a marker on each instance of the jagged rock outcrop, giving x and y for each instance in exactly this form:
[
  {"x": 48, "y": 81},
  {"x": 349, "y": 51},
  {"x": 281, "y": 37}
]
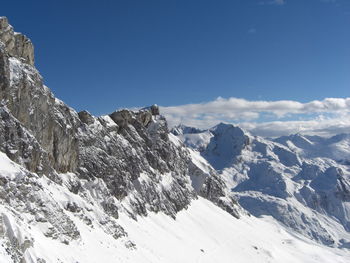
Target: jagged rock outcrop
[
  {"x": 124, "y": 161},
  {"x": 214, "y": 189},
  {"x": 86, "y": 117},
  {"x": 135, "y": 158},
  {"x": 18, "y": 143},
  {"x": 16, "y": 44},
  {"x": 50, "y": 121},
  {"x": 121, "y": 162},
  {"x": 34, "y": 209}
]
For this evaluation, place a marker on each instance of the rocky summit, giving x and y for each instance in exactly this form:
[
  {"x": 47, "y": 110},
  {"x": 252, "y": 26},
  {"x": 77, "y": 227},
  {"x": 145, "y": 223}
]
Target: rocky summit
[
  {"x": 125, "y": 161},
  {"x": 123, "y": 188}
]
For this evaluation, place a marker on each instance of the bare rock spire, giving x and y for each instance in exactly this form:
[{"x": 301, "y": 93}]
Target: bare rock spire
[{"x": 16, "y": 44}]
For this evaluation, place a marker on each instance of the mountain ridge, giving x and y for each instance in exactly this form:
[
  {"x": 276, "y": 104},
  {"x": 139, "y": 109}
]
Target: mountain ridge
[
  {"x": 126, "y": 156},
  {"x": 75, "y": 182}
]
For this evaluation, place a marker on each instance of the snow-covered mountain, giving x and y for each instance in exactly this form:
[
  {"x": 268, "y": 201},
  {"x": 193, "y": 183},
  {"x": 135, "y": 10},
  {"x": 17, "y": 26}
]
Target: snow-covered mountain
[
  {"x": 298, "y": 180},
  {"x": 121, "y": 188},
  {"x": 336, "y": 147}
]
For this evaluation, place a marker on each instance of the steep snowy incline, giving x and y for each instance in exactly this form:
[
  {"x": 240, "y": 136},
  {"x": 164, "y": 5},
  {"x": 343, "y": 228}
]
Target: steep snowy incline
[{"x": 202, "y": 233}]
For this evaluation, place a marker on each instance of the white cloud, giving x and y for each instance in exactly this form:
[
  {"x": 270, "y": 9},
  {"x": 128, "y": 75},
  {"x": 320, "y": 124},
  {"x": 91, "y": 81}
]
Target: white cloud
[
  {"x": 251, "y": 115},
  {"x": 321, "y": 127}
]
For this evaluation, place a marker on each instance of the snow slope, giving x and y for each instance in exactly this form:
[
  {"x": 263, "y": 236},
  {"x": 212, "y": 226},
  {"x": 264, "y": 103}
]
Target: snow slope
[
  {"x": 202, "y": 233},
  {"x": 205, "y": 233}
]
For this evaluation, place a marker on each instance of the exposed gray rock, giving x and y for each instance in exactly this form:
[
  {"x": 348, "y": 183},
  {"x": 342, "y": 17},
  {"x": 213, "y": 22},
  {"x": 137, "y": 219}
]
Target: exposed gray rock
[
  {"x": 122, "y": 161},
  {"x": 17, "y": 142},
  {"x": 214, "y": 190},
  {"x": 121, "y": 118},
  {"x": 128, "y": 150},
  {"x": 155, "y": 110},
  {"x": 210, "y": 185},
  {"x": 136, "y": 158},
  {"x": 50, "y": 121},
  {"x": 16, "y": 44},
  {"x": 86, "y": 117}
]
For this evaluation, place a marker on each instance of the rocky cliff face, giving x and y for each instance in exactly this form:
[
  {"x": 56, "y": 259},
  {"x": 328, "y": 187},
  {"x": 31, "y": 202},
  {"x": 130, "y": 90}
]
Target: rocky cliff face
[
  {"x": 16, "y": 44},
  {"x": 123, "y": 162},
  {"x": 51, "y": 122}
]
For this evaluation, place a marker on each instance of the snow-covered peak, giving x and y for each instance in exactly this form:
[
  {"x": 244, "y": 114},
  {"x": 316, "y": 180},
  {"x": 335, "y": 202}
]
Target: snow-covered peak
[
  {"x": 297, "y": 140},
  {"x": 338, "y": 138},
  {"x": 288, "y": 178},
  {"x": 227, "y": 143},
  {"x": 336, "y": 147},
  {"x": 183, "y": 129},
  {"x": 227, "y": 129}
]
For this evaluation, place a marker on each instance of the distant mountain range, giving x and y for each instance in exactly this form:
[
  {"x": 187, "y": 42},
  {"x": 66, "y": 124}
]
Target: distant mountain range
[{"x": 302, "y": 181}]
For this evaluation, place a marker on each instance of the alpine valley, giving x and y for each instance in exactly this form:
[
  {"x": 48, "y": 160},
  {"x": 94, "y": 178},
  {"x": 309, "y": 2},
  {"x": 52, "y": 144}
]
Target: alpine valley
[{"x": 125, "y": 188}]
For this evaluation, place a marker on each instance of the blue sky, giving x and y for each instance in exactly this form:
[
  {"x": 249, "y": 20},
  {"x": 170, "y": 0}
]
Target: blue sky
[{"x": 102, "y": 55}]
